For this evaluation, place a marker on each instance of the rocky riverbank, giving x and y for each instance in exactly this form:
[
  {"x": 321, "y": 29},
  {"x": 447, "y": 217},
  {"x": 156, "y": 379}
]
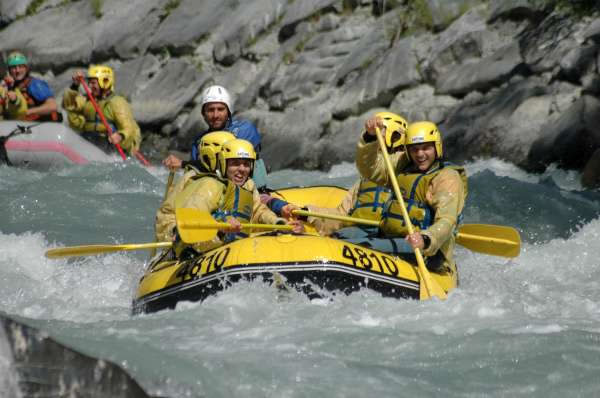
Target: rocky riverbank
[{"x": 515, "y": 79}]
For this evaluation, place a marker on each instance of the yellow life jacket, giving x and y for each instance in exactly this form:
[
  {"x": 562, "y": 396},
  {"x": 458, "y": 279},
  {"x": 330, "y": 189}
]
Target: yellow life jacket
[
  {"x": 370, "y": 200},
  {"x": 413, "y": 187},
  {"x": 237, "y": 202},
  {"x": 93, "y": 122}
]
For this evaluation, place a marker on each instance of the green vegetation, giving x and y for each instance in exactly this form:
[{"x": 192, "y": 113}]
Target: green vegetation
[
  {"x": 422, "y": 14},
  {"x": 171, "y": 5},
  {"x": 97, "y": 8},
  {"x": 288, "y": 58},
  {"x": 578, "y": 8},
  {"x": 33, "y": 7}
]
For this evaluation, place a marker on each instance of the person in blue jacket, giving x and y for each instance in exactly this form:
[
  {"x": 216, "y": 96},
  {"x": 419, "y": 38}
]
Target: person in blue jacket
[
  {"x": 217, "y": 110},
  {"x": 40, "y": 103}
]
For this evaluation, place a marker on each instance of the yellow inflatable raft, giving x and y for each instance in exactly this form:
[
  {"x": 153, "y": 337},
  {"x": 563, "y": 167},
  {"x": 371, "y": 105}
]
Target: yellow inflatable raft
[{"x": 308, "y": 263}]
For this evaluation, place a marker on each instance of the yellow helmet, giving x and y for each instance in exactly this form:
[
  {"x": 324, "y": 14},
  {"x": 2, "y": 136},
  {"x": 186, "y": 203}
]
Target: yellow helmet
[
  {"x": 104, "y": 74},
  {"x": 395, "y": 127},
  {"x": 210, "y": 146},
  {"x": 420, "y": 132},
  {"x": 236, "y": 149}
]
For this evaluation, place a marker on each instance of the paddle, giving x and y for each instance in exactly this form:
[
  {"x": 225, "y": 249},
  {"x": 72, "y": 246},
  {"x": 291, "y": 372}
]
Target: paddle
[
  {"x": 90, "y": 250},
  {"x": 199, "y": 226},
  {"x": 109, "y": 130},
  {"x": 496, "y": 240},
  {"x": 431, "y": 287},
  {"x": 193, "y": 226}
]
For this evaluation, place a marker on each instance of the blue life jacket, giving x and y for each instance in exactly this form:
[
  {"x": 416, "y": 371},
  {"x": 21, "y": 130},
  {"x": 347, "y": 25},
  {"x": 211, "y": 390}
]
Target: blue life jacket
[{"x": 39, "y": 90}]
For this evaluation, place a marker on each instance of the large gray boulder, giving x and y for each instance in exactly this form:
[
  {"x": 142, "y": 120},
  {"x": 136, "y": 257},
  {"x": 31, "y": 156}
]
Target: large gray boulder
[
  {"x": 481, "y": 74},
  {"x": 421, "y": 103},
  {"x": 41, "y": 367},
  {"x": 122, "y": 31},
  {"x": 380, "y": 81},
  {"x": 494, "y": 74},
  {"x": 572, "y": 140},
  {"x": 160, "y": 96}
]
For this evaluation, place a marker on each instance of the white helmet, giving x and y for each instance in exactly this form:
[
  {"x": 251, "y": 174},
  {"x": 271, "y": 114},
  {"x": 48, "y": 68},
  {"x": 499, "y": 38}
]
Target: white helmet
[{"x": 217, "y": 94}]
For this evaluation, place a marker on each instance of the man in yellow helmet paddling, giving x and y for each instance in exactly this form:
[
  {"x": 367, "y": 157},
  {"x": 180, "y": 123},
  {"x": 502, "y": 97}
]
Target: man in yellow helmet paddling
[
  {"x": 433, "y": 190},
  {"x": 365, "y": 199},
  {"x": 83, "y": 117}
]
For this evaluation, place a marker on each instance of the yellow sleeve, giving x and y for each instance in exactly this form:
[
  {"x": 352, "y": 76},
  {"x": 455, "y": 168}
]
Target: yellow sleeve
[
  {"x": 73, "y": 103},
  {"x": 16, "y": 110},
  {"x": 446, "y": 194},
  {"x": 371, "y": 164},
  {"x": 122, "y": 116},
  {"x": 205, "y": 194}
]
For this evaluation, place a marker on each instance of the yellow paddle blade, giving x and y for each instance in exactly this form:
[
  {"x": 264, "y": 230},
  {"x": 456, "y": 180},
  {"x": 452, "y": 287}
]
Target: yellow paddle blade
[
  {"x": 497, "y": 240},
  {"x": 196, "y": 226},
  {"x": 199, "y": 226},
  {"x": 91, "y": 250}
]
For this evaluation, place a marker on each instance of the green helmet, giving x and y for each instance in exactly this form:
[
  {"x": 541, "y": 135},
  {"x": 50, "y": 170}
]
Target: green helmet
[{"x": 16, "y": 58}]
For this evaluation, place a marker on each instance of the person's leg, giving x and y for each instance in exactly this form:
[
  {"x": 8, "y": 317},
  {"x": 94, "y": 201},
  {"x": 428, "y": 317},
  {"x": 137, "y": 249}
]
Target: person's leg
[{"x": 354, "y": 232}]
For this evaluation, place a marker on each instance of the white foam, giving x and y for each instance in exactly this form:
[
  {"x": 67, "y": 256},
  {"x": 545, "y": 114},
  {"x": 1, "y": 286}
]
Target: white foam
[{"x": 569, "y": 180}]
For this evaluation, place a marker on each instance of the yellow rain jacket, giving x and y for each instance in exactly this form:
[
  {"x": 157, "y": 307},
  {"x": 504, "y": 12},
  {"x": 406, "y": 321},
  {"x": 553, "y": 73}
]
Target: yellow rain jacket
[
  {"x": 117, "y": 111},
  {"x": 206, "y": 193},
  {"x": 10, "y": 110},
  {"x": 165, "y": 215},
  {"x": 445, "y": 194}
]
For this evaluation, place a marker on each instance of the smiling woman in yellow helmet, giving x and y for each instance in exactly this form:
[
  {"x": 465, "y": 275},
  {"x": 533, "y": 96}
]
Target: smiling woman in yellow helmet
[
  {"x": 82, "y": 115},
  {"x": 433, "y": 190},
  {"x": 230, "y": 195}
]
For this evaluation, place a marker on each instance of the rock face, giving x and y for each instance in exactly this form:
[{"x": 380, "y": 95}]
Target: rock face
[
  {"x": 33, "y": 365},
  {"x": 514, "y": 79}
]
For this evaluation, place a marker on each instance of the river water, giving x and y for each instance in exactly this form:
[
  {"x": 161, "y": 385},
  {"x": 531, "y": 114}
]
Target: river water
[{"x": 529, "y": 326}]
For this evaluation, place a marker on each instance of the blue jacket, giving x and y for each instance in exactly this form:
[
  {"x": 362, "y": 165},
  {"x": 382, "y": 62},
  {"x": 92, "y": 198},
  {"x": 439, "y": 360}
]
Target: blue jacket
[
  {"x": 39, "y": 90},
  {"x": 240, "y": 128}
]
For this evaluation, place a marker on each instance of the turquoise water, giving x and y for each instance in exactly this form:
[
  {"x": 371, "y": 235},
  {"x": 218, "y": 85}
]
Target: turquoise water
[{"x": 523, "y": 327}]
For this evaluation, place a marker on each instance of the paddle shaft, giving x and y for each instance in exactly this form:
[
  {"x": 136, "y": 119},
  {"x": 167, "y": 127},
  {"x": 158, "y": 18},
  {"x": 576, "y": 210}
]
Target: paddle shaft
[
  {"x": 88, "y": 250},
  {"x": 221, "y": 225},
  {"x": 349, "y": 219},
  {"x": 497, "y": 240}
]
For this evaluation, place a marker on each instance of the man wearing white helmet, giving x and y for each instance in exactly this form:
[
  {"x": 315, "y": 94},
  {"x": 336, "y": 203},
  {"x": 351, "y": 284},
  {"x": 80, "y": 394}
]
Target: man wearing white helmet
[{"x": 217, "y": 110}]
